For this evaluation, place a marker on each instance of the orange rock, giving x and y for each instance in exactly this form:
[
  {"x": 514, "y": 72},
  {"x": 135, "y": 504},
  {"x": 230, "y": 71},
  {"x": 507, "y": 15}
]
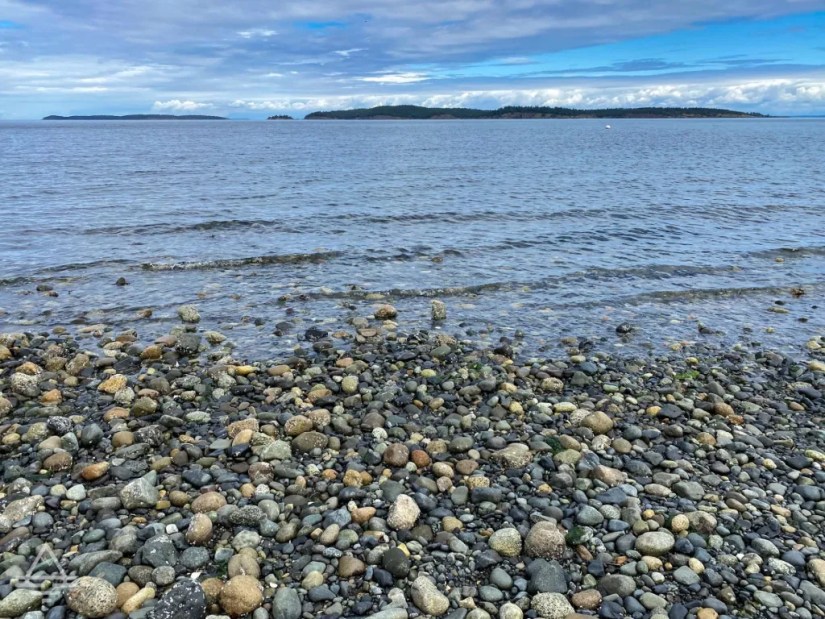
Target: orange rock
[
  {"x": 115, "y": 413},
  {"x": 420, "y": 458},
  {"x": 113, "y": 384},
  {"x": 52, "y": 397},
  {"x": 94, "y": 471}
]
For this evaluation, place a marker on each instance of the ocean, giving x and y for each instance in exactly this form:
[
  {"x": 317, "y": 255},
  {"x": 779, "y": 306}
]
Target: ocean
[{"x": 533, "y": 230}]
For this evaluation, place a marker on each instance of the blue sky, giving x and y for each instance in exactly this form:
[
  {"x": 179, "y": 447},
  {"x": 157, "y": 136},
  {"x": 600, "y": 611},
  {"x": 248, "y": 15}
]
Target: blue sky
[{"x": 252, "y": 58}]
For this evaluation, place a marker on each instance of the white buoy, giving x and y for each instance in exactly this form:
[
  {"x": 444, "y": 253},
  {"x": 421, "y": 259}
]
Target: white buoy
[{"x": 608, "y": 127}]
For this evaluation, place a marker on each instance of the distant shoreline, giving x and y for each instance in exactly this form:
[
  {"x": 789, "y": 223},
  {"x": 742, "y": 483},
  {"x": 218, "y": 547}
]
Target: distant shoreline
[{"x": 414, "y": 112}]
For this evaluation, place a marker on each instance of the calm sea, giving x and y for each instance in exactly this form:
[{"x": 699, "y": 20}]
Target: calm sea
[{"x": 546, "y": 228}]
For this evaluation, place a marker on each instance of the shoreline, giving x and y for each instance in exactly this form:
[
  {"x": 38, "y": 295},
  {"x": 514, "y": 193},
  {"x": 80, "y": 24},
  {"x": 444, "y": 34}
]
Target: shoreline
[{"x": 404, "y": 475}]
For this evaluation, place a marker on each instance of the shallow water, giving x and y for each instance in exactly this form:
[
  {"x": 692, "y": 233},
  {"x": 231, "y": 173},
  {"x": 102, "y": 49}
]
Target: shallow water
[{"x": 552, "y": 228}]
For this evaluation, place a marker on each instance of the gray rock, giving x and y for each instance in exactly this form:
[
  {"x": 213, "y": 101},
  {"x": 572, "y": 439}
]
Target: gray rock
[
  {"x": 159, "y": 551},
  {"x": 185, "y": 600},
  {"x": 428, "y": 598},
  {"x": 92, "y": 597},
  {"x": 286, "y": 604},
  {"x": 686, "y": 576},
  {"x": 655, "y": 543},
  {"x": 140, "y": 493},
  {"x": 551, "y": 606},
  {"x": 20, "y": 601}
]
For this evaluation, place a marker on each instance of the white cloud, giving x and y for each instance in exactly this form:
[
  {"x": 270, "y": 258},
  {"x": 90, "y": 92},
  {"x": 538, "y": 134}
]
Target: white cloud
[
  {"x": 257, "y": 33},
  {"x": 177, "y": 105},
  {"x": 395, "y": 78},
  {"x": 770, "y": 95}
]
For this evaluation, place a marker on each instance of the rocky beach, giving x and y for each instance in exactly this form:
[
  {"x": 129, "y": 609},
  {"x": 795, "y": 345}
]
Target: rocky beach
[{"x": 386, "y": 474}]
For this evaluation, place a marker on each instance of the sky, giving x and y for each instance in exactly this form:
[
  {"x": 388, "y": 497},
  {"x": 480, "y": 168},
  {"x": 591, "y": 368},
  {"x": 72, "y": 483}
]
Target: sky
[{"x": 254, "y": 58}]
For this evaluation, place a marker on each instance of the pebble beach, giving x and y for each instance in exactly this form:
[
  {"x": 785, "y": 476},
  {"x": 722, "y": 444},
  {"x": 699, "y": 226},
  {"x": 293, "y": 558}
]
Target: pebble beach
[{"x": 389, "y": 474}]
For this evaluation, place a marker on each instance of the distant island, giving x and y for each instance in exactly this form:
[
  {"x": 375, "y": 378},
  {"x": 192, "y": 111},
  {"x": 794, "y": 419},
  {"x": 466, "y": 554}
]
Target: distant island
[
  {"x": 137, "y": 117},
  {"x": 415, "y": 112},
  {"x": 281, "y": 117}
]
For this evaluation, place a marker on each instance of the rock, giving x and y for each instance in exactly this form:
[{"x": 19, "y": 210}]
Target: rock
[
  {"x": 686, "y": 576},
  {"x": 60, "y": 461},
  {"x": 427, "y": 597},
  {"x": 286, "y": 604},
  {"x": 92, "y": 597},
  {"x": 514, "y": 456},
  {"x": 24, "y": 384},
  {"x": 506, "y": 542},
  {"x": 349, "y": 384},
  {"x": 241, "y": 595},
  {"x": 655, "y": 543},
  {"x": 551, "y": 606},
  {"x": 438, "y": 310},
  {"x": 545, "y": 540},
  {"x": 200, "y": 529},
  {"x": 189, "y": 313},
  {"x": 208, "y": 502},
  {"x": 397, "y": 455},
  {"x": 385, "y": 312},
  {"x": 185, "y": 600},
  {"x": 140, "y": 493},
  {"x": 510, "y": 611},
  {"x": 308, "y": 441},
  {"x": 113, "y": 384},
  {"x": 598, "y": 422},
  {"x": 349, "y": 566},
  {"x": 689, "y": 490},
  {"x": 19, "y": 602},
  {"x": 396, "y": 562},
  {"x": 817, "y": 569},
  {"x": 403, "y": 514},
  {"x": 22, "y": 508},
  {"x": 617, "y": 584}
]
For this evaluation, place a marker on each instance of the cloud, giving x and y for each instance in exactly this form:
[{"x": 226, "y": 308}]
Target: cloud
[
  {"x": 257, "y": 33},
  {"x": 146, "y": 51},
  {"x": 395, "y": 78},
  {"x": 176, "y": 105},
  {"x": 746, "y": 94}
]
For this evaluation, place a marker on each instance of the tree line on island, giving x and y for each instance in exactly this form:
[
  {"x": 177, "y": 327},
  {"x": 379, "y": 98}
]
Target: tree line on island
[{"x": 415, "y": 112}]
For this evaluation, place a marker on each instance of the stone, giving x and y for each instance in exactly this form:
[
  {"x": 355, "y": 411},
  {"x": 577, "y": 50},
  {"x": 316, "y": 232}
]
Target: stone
[
  {"x": 817, "y": 569},
  {"x": 308, "y": 441},
  {"x": 385, "y": 312},
  {"x": 189, "y": 313},
  {"x": 19, "y": 602},
  {"x": 113, "y": 384},
  {"x": 286, "y": 604},
  {"x": 589, "y": 599},
  {"x": 428, "y": 598},
  {"x": 140, "y": 493},
  {"x": 551, "y": 605},
  {"x": 241, "y": 595},
  {"x": 184, "y": 600},
  {"x": 397, "y": 455},
  {"x": 598, "y": 422},
  {"x": 92, "y": 597},
  {"x": 22, "y": 508},
  {"x": 685, "y": 576},
  {"x": 506, "y": 542},
  {"x": 403, "y": 513},
  {"x": 438, "y": 310},
  {"x": 208, "y": 502},
  {"x": 514, "y": 456},
  {"x": 617, "y": 584},
  {"x": 545, "y": 540},
  {"x": 655, "y": 543},
  {"x": 200, "y": 529}
]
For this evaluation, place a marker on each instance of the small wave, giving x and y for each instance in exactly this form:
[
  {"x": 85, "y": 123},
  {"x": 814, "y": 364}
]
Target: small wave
[
  {"x": 785, "y": 252},
  {"x": 80, "y": 266},
  {"x": 234, "y": 263},
  {"x": 200, "y": 226},
  {"x": 698, "y": 294}
]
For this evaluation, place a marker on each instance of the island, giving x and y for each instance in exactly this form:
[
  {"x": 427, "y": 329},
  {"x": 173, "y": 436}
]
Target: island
[
  {"x": 415, "y": 112},
  {"x": 137, "y": 117},
  {"x": 281, "y": 117}
]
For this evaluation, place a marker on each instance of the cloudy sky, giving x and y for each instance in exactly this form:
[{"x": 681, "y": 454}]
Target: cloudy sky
[{"x": 252, "y": 58}]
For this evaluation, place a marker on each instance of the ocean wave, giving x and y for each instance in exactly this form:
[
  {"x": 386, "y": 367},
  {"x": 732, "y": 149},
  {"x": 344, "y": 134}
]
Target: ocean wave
[{"x": 234, "y": 263}]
